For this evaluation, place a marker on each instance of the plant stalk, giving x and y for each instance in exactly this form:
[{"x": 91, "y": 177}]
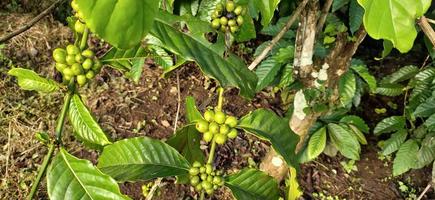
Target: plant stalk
[
  {"x": 212, "y": 151},
  {"x": 220, "y": 99},
  {"x": 84, "y": 40},
  {"x": 41, "y": 171},
  {"x": 61, "y": 119},
  {"x": 202, "y": 195}
]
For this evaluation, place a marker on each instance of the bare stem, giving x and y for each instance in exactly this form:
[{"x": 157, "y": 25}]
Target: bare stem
[
  {"x": 41, "y": 172},
  {"x": 61, "y": 120},
  {"x": 84, "y": 40},
  {"x": 220, "y": 99},
  {"x": 278, "y": 37},
  {"x": 324, "y": 15},
  {"x": 427, "y": 29},
  {"x": 424, "y": 191},
  {"x": 211, "y": 154}
]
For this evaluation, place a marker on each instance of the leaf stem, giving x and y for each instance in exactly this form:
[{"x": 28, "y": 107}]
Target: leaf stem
[
  {"x": 84, "y": 41},
  {"x": 212, "y": 151},
  {"x": 220, "y": 99},
  {"x": 61, "y": 119},
  {"x": 41, "y": 172}
]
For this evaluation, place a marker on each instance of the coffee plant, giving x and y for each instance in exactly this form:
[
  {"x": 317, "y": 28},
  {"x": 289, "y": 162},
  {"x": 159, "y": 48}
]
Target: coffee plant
[{"x": 310, "y": 66}]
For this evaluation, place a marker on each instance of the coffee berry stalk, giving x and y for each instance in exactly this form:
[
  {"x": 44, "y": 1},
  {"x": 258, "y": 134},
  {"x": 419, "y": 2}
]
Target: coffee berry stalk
[
  {"x": 228, "y": 16},
  {"x": 217, "y": 126}
]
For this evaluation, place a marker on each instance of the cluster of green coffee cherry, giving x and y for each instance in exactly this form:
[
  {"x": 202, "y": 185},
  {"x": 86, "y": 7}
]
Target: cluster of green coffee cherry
[
  {"x": 217, "y": 126},
  {"x": 73, "y": 63},
  {"x": 205, "y": 178},
  {"x": 228, "y": 17}
]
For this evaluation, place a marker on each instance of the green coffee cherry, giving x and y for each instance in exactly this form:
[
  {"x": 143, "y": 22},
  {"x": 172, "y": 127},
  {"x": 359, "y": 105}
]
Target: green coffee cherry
[
  {"x": 208, "y": 169},
  {"x": 209, "y": 115},
  {"x": 79, "y": 27},
  {"x": 90, "y": 75},
  {"x": 223, "y": 21},
  {"x": 72, "y": 49},
  {"x": 70, "y": 59},
  {"x": 198, "y": 187},
  {"x": 97, "y": 65},
  {"x": 224, "y": 129},
  {"x": 231, "y": 121},
  {"x": 232, "y": 134},
  {"x": 202, "y": 126},
  {"x": 219, "y": 7},
  {"x": 215, "y": 23},
  {"x": 208, "y": 136},
  {"x": 196, "y": 164},
  {"x": 230, "y": 6},
  {"x": 232, "y": 22},
  {"x": 81, "y": 80},
  {"x": 219, "y": 117},
  {"x": 234, "y": 29},
  {"x": 202, "y": 170},
  {"x": 194, "y": 180},
  {"x": 68, "y": 72},
  {"x": 193, "y": 171},
  {"x": 217, "y": 180},
  {"x": 239, "y": 20},
  {"x": 88, "y": 53},
  {"x": 60, "y": 66},
  {"x": 215, "y": 187},
  {"x": 209, "y": 191},
  {"x": 79, "y": 58},
  {"x": 224, "y": 28},
  {"x": 207, "y": 185},
  {"x": 77, "y": 69},
  {"x": 67, "y": 78},
  {"x": 203, "y": 177},
  {"x": 220, "y": 139},
  {"x": 74, "y": 6},
  {"x": 210, "y": 178},
  {"x": 213, "y": 127},
  {"x": 59, "y": 55},
  {"x": 238, "y": 10},
  {"x": 87, "y": 64}
]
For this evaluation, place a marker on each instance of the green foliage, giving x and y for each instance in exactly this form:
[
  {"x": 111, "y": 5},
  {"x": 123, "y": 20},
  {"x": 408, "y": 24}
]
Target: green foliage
[
  {"x": 344, "y": 140},
  {"x": 356, "y": 13},
  {"x": 251, "y": 184},
  {"x": 108, "y": 19},
  {"x": 30, "y": 80},
  {"x": 267, "y": 9},
  {"x": 398, "y": 20},
  {"x": 85, "y": 127},
  {"x": 71, "y": 178},
  {"x": 394, "y": 142},
  {"x": 347, "y": 88},
  {"x": 141, "y": 158},
  {"x": 317, "y": 143},
  {"x": 403, "y": 74},
  {"x": 390, "y": 124},
  {"x": 403, "y": 161},
  {"x": 187, "y": 142}
]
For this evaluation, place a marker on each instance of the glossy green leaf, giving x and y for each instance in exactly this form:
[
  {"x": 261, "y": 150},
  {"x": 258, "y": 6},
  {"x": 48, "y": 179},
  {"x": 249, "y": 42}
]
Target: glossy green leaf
[
  {"x": 274, "y": 29},
  {"x": 267, "y": 125},
  {"x": 393, "y": 143},
  {"x": 247, "y": 30},
  {"x": 356, "y": 13},
  {"x": 390, "y": 124},
  {"x": 403, "y": 74},
  {"x": 252, "y": 184},
  {"x": 71, "y": 178},
  {"x": 359, "y": 135},
  {"x": 286, "y": 76},
  {"x": 30, "y": 80},
  {"x": 110, "y": 21},
  {"x": 388, "y": 47},
  {"x": 317, "y": 143},
  {"x": 136, "y": 70},
  {"x": 141, "y": 158},
  {"x": 206, "y": 8},
  {"x": 337, "y": 4},
  {"x": 357, "y": 122},
  {"x": 192, "y": 112},
  {"x": 267, "y": 9},
  {"x": 430, "y": 122},
  {"x": 347, "y": 88},
  {"x": 123, "y": 59},
  {"x": 345, "y": 141},
  {"x": 267, "y": 72},
  {"x": 85, "y": 127},
  {"x": 405, "y": 157},
  {"x": 388, "y": 89},
  {"x": 393, "y": 20},
  {"x": 425, "y": 109},
  {"x": 229, "y": 71},
  {"x": 187, "y": 142},
  {"x": 364, "y": 73}
]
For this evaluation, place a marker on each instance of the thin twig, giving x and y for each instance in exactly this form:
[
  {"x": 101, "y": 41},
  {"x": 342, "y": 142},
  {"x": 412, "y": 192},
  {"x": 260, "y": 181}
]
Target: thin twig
[
  {"x": 156, "y": 185},
  {"x": 424, "y": 191},
  {"x": 430, "y": 20},
  {"x": 281, "y": 34},
  {"x": 427, "y": 29},
  {"x": 323, "y": 16},
  {"x": 9, "y": 150},
  {"x": 178, "y": 102},
  {"x": 30, "y": 23}
]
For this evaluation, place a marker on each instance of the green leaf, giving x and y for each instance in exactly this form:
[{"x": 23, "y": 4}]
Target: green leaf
[
  {"x": 71, "y": 178},
  {"x": 430, "y": 123},
  {"x": 347, "y": 88},
  {"x": 359, "y": 135},
  {"x": 267, "y": 72},
  {"x": 228, "y": 71},
  {"x": 337, "y": 4},
  {"x": 393, "y": 143},
  {"x": 364, "y": 73},
  {"x": 286, "y": 76},
  {"x": 425, "y": 156},
  {"x": 206, "y": 8},
  {"x": 192, "y": 112},
  {"x": 85, "y": 127},
  {"x": 356, "y": 121},
  {"x": 388, "y": 47},
  {"x": 187, "y": 142},
  {"x": 391, "y": 90},
  {"x": 425, "y": 109},
  {"x": 110, "y": 21},
  {"x": 274, "y": 29},
  {"x": 405, "y": 157},
  {"x": 267, "y": 125},
  {"x": 345, "y": 141},
  {"x": 136, "y": 70},
  {"x": 317, "y": 143},
  {"x": 267, "y": 9},
  {"x": 390, "y": 124},
  {"x": 141, "y": 158},
  {"x": 123, "y": 59},
  {"x": 247, "y": 30},
  {"x": 30, "y": 80},
  {"x": 393, "y": 20},
  {"x": 356, "y": 13},
  {"x": 252, "y": 184},
  {"x": 403, "y": 74}
]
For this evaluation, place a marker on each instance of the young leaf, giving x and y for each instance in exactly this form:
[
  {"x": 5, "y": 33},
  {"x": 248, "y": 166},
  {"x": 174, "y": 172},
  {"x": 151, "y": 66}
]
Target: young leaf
[
  {"x": 359, "y": 135},
  {"x": 108, "y": 19},
  {"x": 344, "y": 140},
  {"x": 252, "y": 184},
  {"x": 267, "y": 125},
  {"x": 393, "y": 143},
  {"x": 398, "y": 20},
  {"x": 228, "y": 71},
  {"x": 356, "y": 13},
  {"x": 192, "y": 112},
  {"x": 317, "y": 143},
  {"x": 357, "y": 122},
  {"x": 390, "y": 124},
  {"x": 405, "y": 157},
  {"x": 364, "y": 73},
  {"x": 30, "y": 80},
  {"x": 71, "y": 178},
  {"x": 141, "y": 158},
  {"x": 347, "y": 88},
  {"x": 391, "y": 90},
  {"x": 85, "y": 127},
  {"x": 187, "y": 142},
  {"x": 403, "y": 74}
]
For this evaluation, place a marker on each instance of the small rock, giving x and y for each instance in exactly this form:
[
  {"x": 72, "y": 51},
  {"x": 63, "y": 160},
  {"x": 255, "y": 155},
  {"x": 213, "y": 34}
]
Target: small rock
[
  {"x": 165, "y": 123},
  {"x": 173, "y": 90}
]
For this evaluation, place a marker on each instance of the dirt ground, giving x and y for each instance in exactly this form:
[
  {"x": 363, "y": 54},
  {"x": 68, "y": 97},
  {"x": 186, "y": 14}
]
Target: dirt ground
[{"x": 125, "y": 109}]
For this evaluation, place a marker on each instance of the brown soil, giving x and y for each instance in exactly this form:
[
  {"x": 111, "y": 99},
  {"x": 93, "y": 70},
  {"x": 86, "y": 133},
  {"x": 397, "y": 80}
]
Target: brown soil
[{"x": 120, "y": 105}]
